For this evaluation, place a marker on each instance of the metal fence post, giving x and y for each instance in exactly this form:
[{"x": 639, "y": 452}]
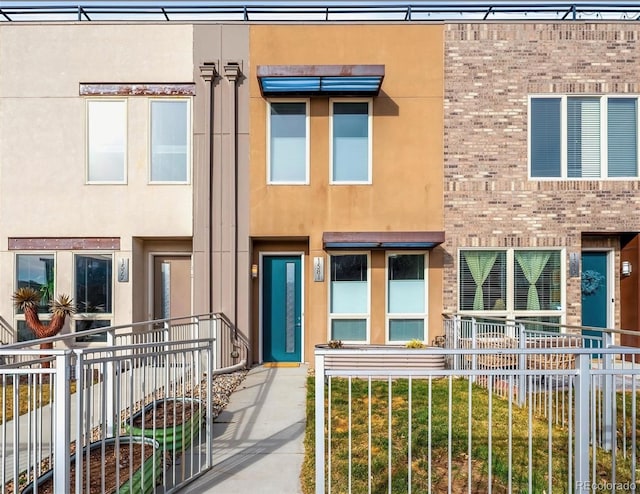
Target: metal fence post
[
  {"x": 608, "y": 403},
  {"x": 457, "y": 332},
  {"x": 109, "y": 387},
  {"x": 209, "y": 411},
  {"x": 474, "y": 345},
  {"x": 62, "y": 420},
  {"x": 319, "y": 432},
  {"x": 215, "y": 332},
  {"x": 582, "y": 412},
  {"x": 522, "y": 365}
]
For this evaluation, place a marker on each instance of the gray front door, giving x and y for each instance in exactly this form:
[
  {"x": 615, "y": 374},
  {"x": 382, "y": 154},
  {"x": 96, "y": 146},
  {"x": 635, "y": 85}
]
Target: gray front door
[{"x": 172, "y": 286}]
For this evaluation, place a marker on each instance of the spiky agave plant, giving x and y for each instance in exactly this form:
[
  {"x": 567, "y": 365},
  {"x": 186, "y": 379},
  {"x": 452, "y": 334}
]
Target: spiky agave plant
[{"x": 27, "y": 299}]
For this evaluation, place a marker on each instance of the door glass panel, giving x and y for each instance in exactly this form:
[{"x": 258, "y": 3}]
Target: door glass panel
[
  {"x": 290, "y": 298},
  {"x": 166, "y": 290}
]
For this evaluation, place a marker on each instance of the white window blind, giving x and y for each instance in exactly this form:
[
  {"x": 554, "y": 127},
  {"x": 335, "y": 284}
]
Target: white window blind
[{"x": 583, "y": 137}]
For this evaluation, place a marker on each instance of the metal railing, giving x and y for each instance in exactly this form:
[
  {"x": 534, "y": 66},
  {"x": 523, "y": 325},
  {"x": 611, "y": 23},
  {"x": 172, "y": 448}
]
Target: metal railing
[
  {"x": 231, "y": 346},
  {"x": 503, "y": 419},
  {"x": 55, "y": 402},
  {"x": 336, "y": 11}
]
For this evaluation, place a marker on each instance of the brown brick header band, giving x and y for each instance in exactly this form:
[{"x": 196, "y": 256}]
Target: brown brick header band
[{"x": 64, "y": 243}]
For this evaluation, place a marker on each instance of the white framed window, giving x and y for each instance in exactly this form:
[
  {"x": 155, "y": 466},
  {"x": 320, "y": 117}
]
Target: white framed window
[
  {"x": 349, "y": 297},
  {"x": 516, "y": 283},
  {"x": 93, "y": 293},
  {"x": 36, "y": 271},
  {"x": 406, "y": 296},
  {"x": 106, "y": 141},
  {"x": 288, "y": 142},
  {"x": 350, "y": 141},
  {"x": 583, "y": 137},
  {"x": 170, "y": 130}
]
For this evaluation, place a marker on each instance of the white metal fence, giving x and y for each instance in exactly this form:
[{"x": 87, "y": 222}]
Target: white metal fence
[
  {"x": 53, "y": 402},
  {"x": 550, "y": 418}
]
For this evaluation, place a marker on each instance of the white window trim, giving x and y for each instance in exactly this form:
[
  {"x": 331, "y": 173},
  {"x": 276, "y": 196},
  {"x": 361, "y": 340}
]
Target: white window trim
[
  {"x": 366, "y": 317},
  {"x": 189, "y": 142},
  {"x": 424, "y": 316},
  {"x": 126, "y": 142},
  {"x": 604, "y": 158},
  {"x": 369, "y": 102},
  {"x": 307, "y": 143},
  {"x": 510, "y": 312}
]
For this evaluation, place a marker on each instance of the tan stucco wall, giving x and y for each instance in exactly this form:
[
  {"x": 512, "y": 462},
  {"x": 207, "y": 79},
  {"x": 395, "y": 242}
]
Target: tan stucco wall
[
  {"x": 406, "y": 193},
  {"x": 42, "y": 126},
  {"x": 215, "y": 275}
]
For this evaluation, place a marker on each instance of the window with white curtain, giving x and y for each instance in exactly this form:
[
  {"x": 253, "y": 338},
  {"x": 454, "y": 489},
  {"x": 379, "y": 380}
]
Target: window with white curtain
[
  {"x": 591, "y": 137},
  {"x": 523, "y": 283},
  {"x": 288, "y": 145},
  {"x": 406, "y": 297},
  {"x": 349, "y": 297}
]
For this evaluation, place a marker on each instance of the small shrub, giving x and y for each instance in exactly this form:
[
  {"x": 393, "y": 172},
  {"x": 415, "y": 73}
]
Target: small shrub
[
  {"x": 335, "y": 344},
  {"x": 415, "y": 343}
]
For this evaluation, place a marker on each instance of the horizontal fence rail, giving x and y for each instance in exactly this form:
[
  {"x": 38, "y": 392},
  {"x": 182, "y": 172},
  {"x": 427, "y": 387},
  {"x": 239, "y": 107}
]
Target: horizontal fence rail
[
  {"x": 335, "y": 11},
  {"x": 140, "y": 398},
  {"x": 528, "y": 415}
]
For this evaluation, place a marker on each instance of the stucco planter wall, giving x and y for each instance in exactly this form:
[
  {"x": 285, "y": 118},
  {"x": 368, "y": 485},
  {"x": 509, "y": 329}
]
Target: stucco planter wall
[{"x": 373, "y": 357}]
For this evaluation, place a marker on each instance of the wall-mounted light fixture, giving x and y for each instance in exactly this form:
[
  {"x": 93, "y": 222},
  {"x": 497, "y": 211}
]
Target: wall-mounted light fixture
[
  {"x": 254, "y": 271},
  {"x": 627, "y": 268}
]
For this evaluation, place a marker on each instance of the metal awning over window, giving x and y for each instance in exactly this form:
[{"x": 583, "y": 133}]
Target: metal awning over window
[
  {"x": 382, "y": 240},
  {"x": 320, "y": 80}
]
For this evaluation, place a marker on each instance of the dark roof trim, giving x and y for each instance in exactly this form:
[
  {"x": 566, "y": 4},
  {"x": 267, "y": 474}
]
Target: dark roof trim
[
  {"x": 382, "y": 240},
  {"x": 320, "y": 80}
]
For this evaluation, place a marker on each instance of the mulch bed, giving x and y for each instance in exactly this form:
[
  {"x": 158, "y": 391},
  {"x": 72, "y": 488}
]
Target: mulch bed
[
  {"x": 166, "y": 413},
  {"x": 130, "y": 461}
]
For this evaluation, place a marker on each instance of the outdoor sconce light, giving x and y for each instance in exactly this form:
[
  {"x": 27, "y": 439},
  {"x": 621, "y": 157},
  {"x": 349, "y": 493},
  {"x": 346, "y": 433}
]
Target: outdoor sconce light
[
  {"x": 627, "y": 268},
  {"x": 254, "y": 271}
]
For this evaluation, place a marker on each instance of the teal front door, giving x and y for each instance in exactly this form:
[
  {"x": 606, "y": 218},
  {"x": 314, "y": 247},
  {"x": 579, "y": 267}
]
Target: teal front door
[
  {"x": 595, "y": 296},
  {"x": 281, "y": 309}
]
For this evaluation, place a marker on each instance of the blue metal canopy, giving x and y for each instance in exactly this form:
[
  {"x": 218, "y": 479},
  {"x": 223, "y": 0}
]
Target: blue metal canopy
[{"x": 319, "y": 80}]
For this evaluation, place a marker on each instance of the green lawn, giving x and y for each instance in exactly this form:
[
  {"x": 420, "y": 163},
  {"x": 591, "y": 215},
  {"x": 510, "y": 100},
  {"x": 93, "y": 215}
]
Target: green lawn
[{"x": 432, "y": 424}]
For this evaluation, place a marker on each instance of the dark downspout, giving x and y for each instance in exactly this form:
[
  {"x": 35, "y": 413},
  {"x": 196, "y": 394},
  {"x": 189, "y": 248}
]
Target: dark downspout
[
  {"x": 233, "y": 71},
  {"x": 209, "y": 72}
]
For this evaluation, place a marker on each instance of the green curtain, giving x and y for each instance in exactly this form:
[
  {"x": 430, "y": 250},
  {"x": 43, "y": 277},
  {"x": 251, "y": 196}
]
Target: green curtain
[
  {"x": 480, "y": 263},
  {"x": 532, "y": 263}
]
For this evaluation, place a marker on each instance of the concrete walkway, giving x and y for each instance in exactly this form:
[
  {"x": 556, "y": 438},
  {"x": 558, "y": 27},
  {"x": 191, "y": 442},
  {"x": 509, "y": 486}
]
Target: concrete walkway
[{"x": 258, "y": 438}]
